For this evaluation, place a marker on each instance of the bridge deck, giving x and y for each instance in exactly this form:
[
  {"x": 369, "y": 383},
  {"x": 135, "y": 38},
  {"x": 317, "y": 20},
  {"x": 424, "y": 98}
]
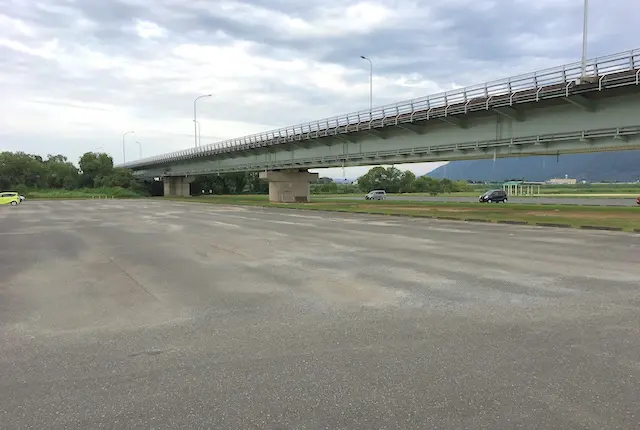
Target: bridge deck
[{"x": 608, "y": 72}]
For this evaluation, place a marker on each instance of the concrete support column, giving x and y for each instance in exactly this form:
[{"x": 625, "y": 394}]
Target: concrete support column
[
  {"x": 286, "y": 186},
  {"x": 177, "y": 186}
]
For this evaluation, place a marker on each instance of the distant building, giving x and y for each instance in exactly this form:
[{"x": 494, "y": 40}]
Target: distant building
[
  {"x": 562, "y": 181},
  {"x": 522, "y": 188}
]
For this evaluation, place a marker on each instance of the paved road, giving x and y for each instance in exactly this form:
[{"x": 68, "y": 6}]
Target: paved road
[
  {"x": 153, "y": 314},
  {"x": 527, "y": 200}
]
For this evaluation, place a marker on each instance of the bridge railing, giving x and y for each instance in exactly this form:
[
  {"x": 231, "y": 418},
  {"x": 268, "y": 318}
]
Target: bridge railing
[
  {"x": 626, "y": 138},
  {"x": 608, "y": 71}
]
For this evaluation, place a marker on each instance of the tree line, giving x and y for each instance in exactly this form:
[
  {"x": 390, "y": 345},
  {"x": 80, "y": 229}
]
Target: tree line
[
  {"x": 229, "y": 183},
  {"x": 20, "y": 171},
  {"x": 392, "y": 180}
]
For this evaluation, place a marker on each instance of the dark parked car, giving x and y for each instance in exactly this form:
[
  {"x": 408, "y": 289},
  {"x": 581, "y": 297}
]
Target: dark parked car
[
  {"x": 495, "y": 196},
  {"x": 638, "y": 200}
]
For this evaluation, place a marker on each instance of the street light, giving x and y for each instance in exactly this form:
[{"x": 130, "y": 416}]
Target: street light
[
  {"x": 140, "y": 146},
  {"x": 585, "y": 23},
  {"x": 370, "y": 83},
  {"x": 124, "y": 152},
  {"x": 195, "y": 124},
  {"x": 199, "y": 130}
]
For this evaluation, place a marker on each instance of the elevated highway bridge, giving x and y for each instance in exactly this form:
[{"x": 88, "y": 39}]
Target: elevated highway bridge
[{"x": 553, "y": 111}]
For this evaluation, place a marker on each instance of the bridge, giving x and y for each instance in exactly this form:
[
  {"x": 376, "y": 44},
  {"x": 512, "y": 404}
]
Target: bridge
[{"x": 553, "y": 111}]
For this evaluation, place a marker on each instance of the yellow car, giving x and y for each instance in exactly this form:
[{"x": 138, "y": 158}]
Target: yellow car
[{"x": 9, "y": 198}]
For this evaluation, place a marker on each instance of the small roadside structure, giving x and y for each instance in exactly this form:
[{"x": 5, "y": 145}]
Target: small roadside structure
[{"x": 522, "y": 188}]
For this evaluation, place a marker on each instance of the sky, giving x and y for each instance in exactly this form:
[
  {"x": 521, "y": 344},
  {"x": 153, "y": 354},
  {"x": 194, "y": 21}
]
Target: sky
[{"x": 77, "y": 74}]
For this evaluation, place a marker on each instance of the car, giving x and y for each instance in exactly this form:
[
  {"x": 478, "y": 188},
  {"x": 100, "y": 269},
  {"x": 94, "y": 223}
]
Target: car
[
  {"x": 376, "y": 195},
  {"x": 22, "y": 198},
  {"x": 9, "y": 198},
  {"x": 638, "y": 200},
  {"x": 495, "y": 196}
]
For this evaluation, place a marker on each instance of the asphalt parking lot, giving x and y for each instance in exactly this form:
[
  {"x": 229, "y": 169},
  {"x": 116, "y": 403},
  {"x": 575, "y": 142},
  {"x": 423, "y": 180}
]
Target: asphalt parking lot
[{"x": 158, "y": 314}]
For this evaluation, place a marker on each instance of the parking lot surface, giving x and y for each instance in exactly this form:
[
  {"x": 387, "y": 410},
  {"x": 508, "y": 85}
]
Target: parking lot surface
[{"x": 158, "y": 314}]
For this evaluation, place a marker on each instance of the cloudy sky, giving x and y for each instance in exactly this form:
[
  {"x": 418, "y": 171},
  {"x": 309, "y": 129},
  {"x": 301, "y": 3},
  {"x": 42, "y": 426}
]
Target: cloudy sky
[{"x": 76, "y": 74}]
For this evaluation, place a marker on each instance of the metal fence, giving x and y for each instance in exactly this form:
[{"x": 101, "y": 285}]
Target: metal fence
[{"x": 609, "y": 71}]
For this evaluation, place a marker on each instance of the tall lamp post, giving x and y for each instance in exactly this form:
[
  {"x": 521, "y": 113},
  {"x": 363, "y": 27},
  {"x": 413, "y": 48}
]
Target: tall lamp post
[
  {"x": 370, "y": 83},
  {"x": 140, "y": 147},
  {"x": 124, "y": 152},
  {"x": 195, "y": 124},
  {"x": 199, "y": 131},
  {"x": 585, "y": 24}
]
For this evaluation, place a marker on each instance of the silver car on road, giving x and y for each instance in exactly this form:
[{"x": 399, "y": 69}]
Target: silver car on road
[{"x": 376, "y": 195}]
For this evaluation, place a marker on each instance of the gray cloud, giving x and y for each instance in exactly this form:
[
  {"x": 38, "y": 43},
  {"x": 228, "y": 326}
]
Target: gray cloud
[{"x": 82, "y": 71}]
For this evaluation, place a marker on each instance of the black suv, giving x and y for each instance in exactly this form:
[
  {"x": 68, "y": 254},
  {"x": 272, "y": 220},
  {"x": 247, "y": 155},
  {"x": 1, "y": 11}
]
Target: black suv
[{"x": 495, "y": 196}]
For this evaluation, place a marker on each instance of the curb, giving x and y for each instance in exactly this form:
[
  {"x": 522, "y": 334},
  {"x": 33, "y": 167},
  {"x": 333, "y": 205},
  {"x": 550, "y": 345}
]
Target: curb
[
  {"x": 513, "y": 222},
  {"x": 636, "y": 230},
  {"x": 549, "y": 224},
  {"x": 598, "y": 227},
  {"x": 477, "y": 220}
]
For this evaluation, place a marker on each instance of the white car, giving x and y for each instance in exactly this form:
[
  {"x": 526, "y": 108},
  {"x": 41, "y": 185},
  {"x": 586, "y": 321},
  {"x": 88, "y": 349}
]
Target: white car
[
  {"x": 376, "y": 195},
  {"x": 22, "y": 199}
]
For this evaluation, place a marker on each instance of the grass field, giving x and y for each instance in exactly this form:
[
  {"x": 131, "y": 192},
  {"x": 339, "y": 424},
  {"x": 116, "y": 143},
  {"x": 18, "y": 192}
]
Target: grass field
[
  {"x": 623, "y": 218},
  {"x": 613, "y": 195}
]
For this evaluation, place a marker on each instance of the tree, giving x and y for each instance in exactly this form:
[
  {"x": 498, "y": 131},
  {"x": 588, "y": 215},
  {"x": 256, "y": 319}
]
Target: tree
[
  {"x": 60, "y": 173},
  {"x": 426, "y": 184},
  {"x": 23, "y": 169},
  {"x": 255, "y": 185},
  {"x": 388, "y": 179},
  {"x": 94, "y": 165},
  {"x": 117, "y": 177},
  {"x": 446, "y": 186},
  {"x": 19, "y": 170},
  {"x": 461, "y": 187},
  {"x": 236, "y": 182},
  {"x": 329, "y": 188},
  {"x": 407, "y": 182},
  {"x": 228, "y": 183}
]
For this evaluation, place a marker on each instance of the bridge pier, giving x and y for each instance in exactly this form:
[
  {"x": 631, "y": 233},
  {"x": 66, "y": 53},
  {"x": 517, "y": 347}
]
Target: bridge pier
[
  {"x": 177, "y": 186},
  {"x": 289, "y": 186}
]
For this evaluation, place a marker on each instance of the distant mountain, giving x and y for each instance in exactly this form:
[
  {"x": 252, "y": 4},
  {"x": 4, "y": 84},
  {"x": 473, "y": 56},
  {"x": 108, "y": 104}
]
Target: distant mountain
[{"x": 623, "y": 166}]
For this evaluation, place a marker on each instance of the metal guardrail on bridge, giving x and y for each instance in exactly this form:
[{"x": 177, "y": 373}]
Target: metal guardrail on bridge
[{"x": 610, "y": 71}]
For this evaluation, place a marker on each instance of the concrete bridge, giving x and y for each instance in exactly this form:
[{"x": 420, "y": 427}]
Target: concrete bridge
[{"x": 553, "y": 111}]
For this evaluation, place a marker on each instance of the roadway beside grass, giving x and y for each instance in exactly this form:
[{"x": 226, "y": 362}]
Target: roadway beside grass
[
  {"x": 604, "y": 217},
  {"x": 408, "y": 196}
]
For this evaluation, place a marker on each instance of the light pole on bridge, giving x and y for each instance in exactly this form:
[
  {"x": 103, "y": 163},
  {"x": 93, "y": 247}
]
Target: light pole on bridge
[
  {"x": 585, "y": 24},
  {"x": 124, "y": 151},
  {"x": 370, "y": 83},
  {"x": 199, "y": 133},
  {"x": 195, "y": 123},
  {"x": 140, "y": 147}
]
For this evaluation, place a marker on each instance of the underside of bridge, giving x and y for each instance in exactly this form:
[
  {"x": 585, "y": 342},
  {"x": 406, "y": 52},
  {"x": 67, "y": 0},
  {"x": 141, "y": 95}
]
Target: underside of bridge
[
  {"x": 285, "y": 186},
  {"x": 289, "y": 186}
]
